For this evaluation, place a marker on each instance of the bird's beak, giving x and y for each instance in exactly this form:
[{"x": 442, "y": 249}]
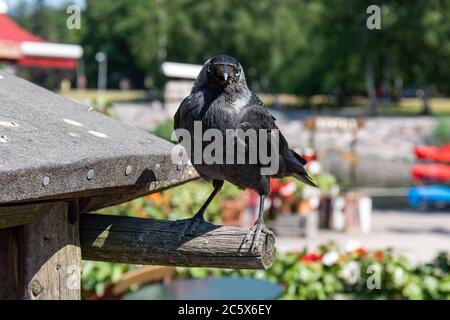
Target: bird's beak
[{"x": 225, "y": 73}]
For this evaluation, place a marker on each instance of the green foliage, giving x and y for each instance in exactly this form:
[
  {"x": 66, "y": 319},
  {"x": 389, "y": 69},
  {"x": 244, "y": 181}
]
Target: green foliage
[
  {"x": 177, "y": 203},
  {"x": 164, "y": 130},
  {"x": 306, "y": 276},
  {"x": 303, "y": 47},
  {"x": 441, "y": 133},
  {"x": 96, "y": 276}
]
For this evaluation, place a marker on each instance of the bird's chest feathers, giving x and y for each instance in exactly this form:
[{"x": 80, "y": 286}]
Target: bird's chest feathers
[
  {"x": 225, "y": 112},
  {"x": 240, "y": 101}
]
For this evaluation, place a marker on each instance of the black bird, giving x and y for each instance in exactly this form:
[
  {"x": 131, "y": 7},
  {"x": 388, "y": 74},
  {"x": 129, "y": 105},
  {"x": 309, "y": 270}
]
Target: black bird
[{"x": 221, "y": 100}]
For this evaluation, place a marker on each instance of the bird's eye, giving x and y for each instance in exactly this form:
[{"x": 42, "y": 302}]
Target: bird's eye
[
  {"x": 237, "y": 72},
  {"x": 209, "y": 68}
]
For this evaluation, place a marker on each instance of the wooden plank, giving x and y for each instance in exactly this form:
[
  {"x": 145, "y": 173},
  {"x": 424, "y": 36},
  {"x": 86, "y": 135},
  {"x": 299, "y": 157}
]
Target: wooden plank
[
  {"x": 16, "y": 215},
  {"x": 50, "y": 257},
  {"x": 92, "y": 203},
  {"x": 155, "y": 242},
  {"x": 22, "y": 213},
  {"x": 9, "y": 277},
  {"x": 99, "y": 152}
]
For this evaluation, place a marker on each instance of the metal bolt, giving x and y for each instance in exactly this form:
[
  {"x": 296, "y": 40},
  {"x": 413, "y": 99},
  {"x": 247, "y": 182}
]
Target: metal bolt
[
  {"x": 45, "y": 181},
  {"x": 90, "y": 174},
  {"x": 128, "y": 170}
]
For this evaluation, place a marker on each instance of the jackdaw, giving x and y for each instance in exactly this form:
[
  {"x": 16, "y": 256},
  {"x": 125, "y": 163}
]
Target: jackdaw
[{"x": 220, "y": 99}]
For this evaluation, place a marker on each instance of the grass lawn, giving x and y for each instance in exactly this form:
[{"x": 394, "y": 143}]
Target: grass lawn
[
  {"x": 413, "y": 106},
  {"x": 109, "y": 95}
]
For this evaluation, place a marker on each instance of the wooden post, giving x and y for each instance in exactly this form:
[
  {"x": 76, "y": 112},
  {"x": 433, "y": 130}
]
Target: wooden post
[
  {"x": 50, "y": 261},
  {"x": 41, "y": 260},
  {"x": 156, "y": 242},
  {"x": 9, "y": 280}
]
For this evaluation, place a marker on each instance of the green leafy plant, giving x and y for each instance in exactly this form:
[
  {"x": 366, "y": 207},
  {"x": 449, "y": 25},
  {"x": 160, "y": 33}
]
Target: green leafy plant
[
  {"x": 441, "y": 133},
  {"x": 331, "y": 273},
  {"x": 164, "y": 130}
]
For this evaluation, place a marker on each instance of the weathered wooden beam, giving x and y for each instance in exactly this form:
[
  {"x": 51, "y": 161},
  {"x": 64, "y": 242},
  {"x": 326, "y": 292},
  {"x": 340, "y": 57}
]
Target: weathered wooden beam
[
  {"x": 23, "y": 213},
  {"x": 9, "y": 273},
  {"x": 41, "y": 260},
  {"x": 16, "y": 215},
  {"x": 50, "y": 257},
  {"x": 155, "y": 242},
  {"x": 93, "y": 202},
  {"x": 100, "y": 155}
]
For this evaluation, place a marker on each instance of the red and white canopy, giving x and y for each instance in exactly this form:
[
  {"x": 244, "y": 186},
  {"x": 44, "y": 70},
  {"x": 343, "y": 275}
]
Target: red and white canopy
[{"x": 19, "y": 46}]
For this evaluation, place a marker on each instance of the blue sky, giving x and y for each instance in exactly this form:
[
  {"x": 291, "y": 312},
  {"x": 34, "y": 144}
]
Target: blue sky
[{"x": 12, "y": 3}]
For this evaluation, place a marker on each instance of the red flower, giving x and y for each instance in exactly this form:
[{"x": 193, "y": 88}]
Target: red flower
[
  {"x": 311, "y": 257},
  {"x": 361, "y": 251},
  {"x": 379, "y": 255}
]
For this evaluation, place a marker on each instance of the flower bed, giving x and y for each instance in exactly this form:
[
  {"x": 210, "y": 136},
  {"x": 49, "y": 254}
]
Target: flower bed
[{"x": 331, "y": 273}]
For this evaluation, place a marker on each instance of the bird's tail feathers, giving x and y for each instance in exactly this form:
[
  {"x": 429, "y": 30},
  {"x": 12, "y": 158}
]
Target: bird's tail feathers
[
  {"x": 305, "y": 178},
  {"x": 295, "y": 166},
  {"x": 298, "y": 157}
]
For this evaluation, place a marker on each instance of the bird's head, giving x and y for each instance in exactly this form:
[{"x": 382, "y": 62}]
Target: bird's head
[{"x": 220, "y": 72}]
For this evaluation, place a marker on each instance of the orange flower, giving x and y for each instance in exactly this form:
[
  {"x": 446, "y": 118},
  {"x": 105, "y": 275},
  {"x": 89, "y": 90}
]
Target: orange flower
[
  {"x": 141, "y": 213},
  {"x": 379, "y": 255},
  {"x": 158, "y": 199}
]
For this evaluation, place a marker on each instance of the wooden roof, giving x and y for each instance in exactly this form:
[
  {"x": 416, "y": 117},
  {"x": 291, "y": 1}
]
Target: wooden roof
[{"x": 53, "y": 148}]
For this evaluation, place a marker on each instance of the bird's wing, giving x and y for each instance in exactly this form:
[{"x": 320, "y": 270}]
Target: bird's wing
[
  {"x": 180, "y": 114},
  {"x": 188, "y": 110},
  {"x": 256, "y": 116}
]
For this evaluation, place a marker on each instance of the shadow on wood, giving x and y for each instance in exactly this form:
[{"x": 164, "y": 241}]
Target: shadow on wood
[{"x": 156, "y": 242}]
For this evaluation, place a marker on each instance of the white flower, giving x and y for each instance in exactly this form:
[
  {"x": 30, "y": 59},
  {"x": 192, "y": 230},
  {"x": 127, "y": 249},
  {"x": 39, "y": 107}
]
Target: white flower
[
  {"x": 330, "y": 258},
  {"x": 352, "y": 245},
  {"x": 314, "y": 167},
  {"x": 351, "y": 272},
  {"x": 288, "y": 189}
]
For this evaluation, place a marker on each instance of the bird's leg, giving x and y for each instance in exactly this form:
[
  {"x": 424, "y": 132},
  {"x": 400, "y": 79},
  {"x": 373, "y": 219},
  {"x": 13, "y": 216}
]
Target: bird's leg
[
  {"x": 258, "y": 227},
  {"x": 192, "y": 223}
]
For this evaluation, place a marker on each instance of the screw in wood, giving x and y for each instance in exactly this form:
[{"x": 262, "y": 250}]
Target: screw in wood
[
  {"x": 90, "y": 174},
  {"x": 45, "y": 181},
  {"x": 128, "y": 170}
]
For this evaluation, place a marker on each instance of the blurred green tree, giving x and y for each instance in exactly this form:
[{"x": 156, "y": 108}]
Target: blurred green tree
[{"x": 303, "y": 47}]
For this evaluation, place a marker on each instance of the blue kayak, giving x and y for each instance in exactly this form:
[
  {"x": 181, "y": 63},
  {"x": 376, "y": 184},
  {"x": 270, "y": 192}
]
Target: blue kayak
[{"x": 429, "y": 195}]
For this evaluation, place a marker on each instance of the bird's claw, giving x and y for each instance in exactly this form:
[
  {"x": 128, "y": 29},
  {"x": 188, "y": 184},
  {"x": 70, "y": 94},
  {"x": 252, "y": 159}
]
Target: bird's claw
[
  {"x": 190, "y": 225},
  {"x": 255, "y": 233}
]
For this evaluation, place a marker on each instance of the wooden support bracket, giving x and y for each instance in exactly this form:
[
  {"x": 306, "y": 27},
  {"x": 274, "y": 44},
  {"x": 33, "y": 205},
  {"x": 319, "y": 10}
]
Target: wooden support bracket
[{"x": 156, "y": 242}]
